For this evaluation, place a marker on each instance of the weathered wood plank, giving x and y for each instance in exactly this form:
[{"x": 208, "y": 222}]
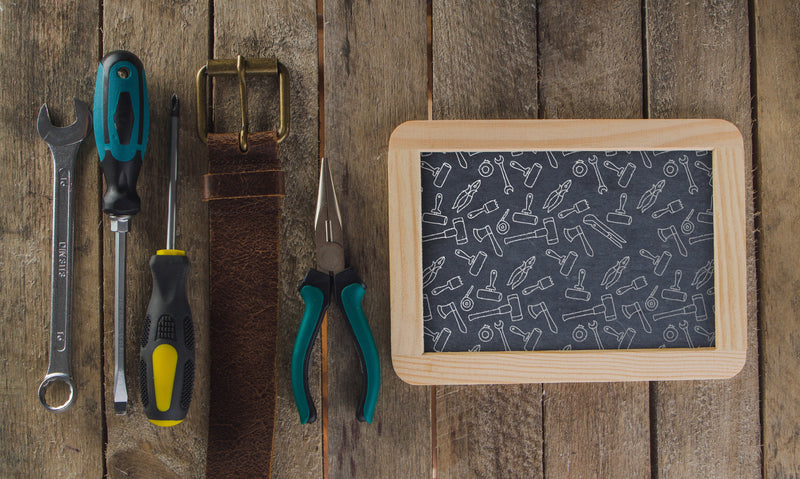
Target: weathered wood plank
[
  {"x": 485, "y": 66},
  {"x": 698, "y": 65},
  {"x": 778, "y": 125},
  {"x": 593, "y": 71},
  {"x": 171, "y": 39},
  {"x": 48, "y": 50},
  {"x": 287, "y": 30},
  {"x": 375, "y": 79}
]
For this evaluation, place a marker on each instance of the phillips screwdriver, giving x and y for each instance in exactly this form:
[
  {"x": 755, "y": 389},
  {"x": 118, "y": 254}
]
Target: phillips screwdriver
[
  {"x": 167, "y": 354},
  {"x": 121, "y": 125}
]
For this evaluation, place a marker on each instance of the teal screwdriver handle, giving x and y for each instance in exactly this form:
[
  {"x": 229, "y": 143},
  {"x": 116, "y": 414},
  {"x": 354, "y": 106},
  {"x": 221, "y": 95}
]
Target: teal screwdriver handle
[
  {"x": 167, "y": 356},
  {"x": 315, "y": 291},
  {"x": 121, "y": 117},
  {"x": 350, "y": 292}
]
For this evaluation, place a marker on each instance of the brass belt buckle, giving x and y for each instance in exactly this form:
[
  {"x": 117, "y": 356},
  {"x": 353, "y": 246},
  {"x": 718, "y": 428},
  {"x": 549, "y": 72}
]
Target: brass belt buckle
[{"x": 240, "y": 67}]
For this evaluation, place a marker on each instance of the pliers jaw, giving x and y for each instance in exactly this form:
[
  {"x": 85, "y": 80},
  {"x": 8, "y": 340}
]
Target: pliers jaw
[{"x": 328, "y": 234}]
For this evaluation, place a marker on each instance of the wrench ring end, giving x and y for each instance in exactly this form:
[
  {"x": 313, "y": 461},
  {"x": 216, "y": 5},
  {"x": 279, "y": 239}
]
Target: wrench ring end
[{"x": 50, "y": 379}]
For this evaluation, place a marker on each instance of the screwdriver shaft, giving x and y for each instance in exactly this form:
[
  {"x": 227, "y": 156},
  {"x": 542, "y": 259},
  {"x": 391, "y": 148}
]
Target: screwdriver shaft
[
  {"x": 119, "y": 225},
  {"x": 173, "y": 172}
]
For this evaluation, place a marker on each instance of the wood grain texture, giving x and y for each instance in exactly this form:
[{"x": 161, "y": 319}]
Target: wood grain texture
[
  {"x": 698, "y": 65},
  {"x": 593, "y": 71},
  {"x": 778, "y": 126},
  {"x": 48, "y": 50},
  {"x": 375, "y": 79},
  {"x": 485, "y": 67},
  {"x": 135, "y": 446},
  {"x": 287, "y": 30}
]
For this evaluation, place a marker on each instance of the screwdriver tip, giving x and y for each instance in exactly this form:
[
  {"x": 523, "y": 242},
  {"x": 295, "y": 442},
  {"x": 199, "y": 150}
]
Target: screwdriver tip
[
  {"x": 120, "y": 408},
  {"x": 174, "y": 105}
]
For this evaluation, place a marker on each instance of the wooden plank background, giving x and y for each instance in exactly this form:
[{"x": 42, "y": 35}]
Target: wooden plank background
[{"x": 358, "y": 69}]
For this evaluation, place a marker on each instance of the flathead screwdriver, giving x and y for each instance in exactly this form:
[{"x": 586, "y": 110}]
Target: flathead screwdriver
[
  {"x": 167, "y": 354},
  {"x": 121, "y": 126}
]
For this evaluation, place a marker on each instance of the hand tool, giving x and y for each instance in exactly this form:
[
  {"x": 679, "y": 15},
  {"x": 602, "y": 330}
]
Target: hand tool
[
  {"x": 332, "y": 278},
  {"x": 439, "y": 174},
  {"x": 466, "y": 302},
  {"x": 486, "y": 168},
  {"x": 475, "y": 262},
  {"x": 596, "y": 224},
  {"x": 687, "y": 227},
  {"x": 525, "y": 216},
  {"x": 578, "y": 292},
  {"x": 439, "y": 339},
  {"x": 606, "y": 308},
  {"x": 531, "y": 339},
  {"x": 426, "y": 308},
  {"x": 706, "y": 217},
  {"x": 430, "y": 272},
  {"x": 618, "y": 216},
  {"x": 547, "y": 231},
  {"x": 697, "y": 239},
  {"x": 579, "y": 334},
  {"x": 121, "y": 127},
  {"x": 646, "y": 159},
  {"x": 700, "y": 305},
  {"x": 530, "y": 174},
  {"x": 684, "y": 160},
  {"x": 650, "y": 196},
  {"x": 674, "y": 293},
  {"x": 464, "y": 198},
  {"x": 593, "y": 326},
  {"x": 445, "y": 310},
  {"x": 702, "y": 166},
  {"x": 63, "y": 144},
  {"x": 629, "y": 310},
  {"x": 651, "y": 302},
  {"x": 485, "y": 334},
  {"x": 513, "y": 308},
  {"x": 556, "y": 196},
  {"x": 457, "y": 231},
  {"x": 540, "y": 309},
  {"x": 566, "y": 261},
  {"x": 577, "y": 232},
  {"x": 708, "y": 335},
  {"x": 620, "y": 336},
  {"x": 484, "y": 232},
  {"x": 462, "y": 161},
  {"x": 601, "y": 185},
  {"x": 614, "y": 273},
  {"x": 670, "y": 168},
  {"x": 579, "y": 207},
  {"x": 435, "y": 216},
  {"x": 624, "y": 174},
  {"x": 660, "y": 262},
  {"x": 638, "y": 283},
  {"x": 167, "y": 353},
  {"x": 520, "y": 272},
  {"x": 502, "y": 225},
  {"x": 498, "y": 325},
  {"x": 490, "y": 293},
  {"x": 551, "y": 158},
  {"x": 672, "y": 207},
  {"x": 670, "y": 334},
  {"x": 703, "y": 275},
  {"x": 541, "y": 285},
  {"x": 684, "y": 325},
  {"x": 487, "y": 207},
  {"x": 579, "y": 168},
  {"x": 671, "y": 233},
  {"x": 452, "y": 284},
  {"x": 507, "y": 187}
]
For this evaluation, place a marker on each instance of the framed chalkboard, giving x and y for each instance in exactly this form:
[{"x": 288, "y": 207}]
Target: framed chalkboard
[{"x": 533, "y": 251}]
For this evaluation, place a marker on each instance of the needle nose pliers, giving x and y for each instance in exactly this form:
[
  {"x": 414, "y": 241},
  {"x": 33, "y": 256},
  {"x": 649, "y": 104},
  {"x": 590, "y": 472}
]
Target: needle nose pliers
[{"x": 332, "y": 278}]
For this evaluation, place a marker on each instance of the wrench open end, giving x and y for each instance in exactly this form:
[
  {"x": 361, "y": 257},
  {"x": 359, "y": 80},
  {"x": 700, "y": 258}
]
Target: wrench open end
[
  {"x": 49, "y": 380},
  {"x": 67, "y": 135}
]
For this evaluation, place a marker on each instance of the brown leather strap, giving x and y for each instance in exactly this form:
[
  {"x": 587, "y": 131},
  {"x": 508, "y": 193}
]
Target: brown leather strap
[{"x": 244, "y": 194}]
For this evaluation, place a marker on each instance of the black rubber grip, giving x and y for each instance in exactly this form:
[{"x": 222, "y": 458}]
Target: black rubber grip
[{"x": 121, "y": 197}]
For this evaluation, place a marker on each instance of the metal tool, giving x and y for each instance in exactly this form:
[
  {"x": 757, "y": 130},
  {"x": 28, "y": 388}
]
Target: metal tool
[
  {"x": 525, "y": 216},
  {"x": 556, "y": 196},
  {"x": 530, "y": 174},
  {"x": 121, "y": 128},
  {"x": 566, "y": 261},
  {"x": 333, "y": 280},
  {"x": 619, "y": 216},
  {"x": 624, "y": 174},
  {"x": 63, "y": 144},
  {"x": 507, "y": 187},
  {"x": 596, "y": 224},
  {"x": 578, "y": 292},
  {"x": 601, "y": 185},
  {"x": 167, "y": 353},
  {"x": 650, "y": 196}
]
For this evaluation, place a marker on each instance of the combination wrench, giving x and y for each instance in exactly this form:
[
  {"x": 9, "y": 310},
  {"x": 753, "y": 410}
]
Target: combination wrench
[{"x": 63, "y": 144}]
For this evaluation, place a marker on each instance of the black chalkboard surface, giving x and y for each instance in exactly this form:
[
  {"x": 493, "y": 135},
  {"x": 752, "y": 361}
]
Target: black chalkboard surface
[{"x": 559, "y": 250}]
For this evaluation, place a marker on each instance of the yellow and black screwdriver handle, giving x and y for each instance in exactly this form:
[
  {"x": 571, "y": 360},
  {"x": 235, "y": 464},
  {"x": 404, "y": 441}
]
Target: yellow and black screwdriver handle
[
  {"x": 348, "y": 289},
  {"x": 167, "y": 354}
]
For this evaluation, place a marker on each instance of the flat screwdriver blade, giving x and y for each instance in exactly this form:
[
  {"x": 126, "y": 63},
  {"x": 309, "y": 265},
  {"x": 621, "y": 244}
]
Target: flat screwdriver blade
[{"x": 119, "y": 225}]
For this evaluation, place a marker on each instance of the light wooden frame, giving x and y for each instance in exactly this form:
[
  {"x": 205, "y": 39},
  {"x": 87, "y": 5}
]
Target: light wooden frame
[{"x": 415, "y": 366}]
